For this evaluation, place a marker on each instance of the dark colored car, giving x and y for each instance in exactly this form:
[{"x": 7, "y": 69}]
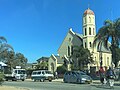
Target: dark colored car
[{"x": 76, "y": 77}]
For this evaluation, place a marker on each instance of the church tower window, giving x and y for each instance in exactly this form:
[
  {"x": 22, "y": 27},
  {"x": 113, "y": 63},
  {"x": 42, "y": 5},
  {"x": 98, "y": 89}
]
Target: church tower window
[
  {"x": 85, "y": 20},
  {"x": 85, "y": 31},
  {"x": 90, "y": 19},
  {"x": 90, "y": 44},
  {"x": 89, "y": 30}
]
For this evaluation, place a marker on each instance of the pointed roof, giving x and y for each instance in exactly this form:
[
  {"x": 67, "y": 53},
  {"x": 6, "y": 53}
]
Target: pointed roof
[
  {"x": 59, "y": 60},
  {"x": 80, "y": 36}
]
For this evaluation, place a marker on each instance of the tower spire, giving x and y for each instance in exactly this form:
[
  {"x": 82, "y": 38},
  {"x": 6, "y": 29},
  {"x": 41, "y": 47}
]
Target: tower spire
[{"x": 88, "y": 5}]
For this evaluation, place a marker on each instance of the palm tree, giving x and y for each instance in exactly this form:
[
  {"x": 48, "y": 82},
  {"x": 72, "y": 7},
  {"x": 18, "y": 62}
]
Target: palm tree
[{"x": 109, "y": 32}]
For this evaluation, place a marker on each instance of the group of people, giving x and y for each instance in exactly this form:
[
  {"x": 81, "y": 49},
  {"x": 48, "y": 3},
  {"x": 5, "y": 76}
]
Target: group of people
[{"x": 105, "y": 75}]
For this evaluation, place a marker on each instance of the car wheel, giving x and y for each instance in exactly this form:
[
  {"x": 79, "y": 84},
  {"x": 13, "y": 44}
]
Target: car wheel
[
  {"x": 23, "y": 79},
  {"x": 34, "y": 80},
  {"x": 78, "y": 81},
  {"x": 50, "y": 79},
  {"x": 42, "y": 80},
  {"x": 64, "y": 80}
]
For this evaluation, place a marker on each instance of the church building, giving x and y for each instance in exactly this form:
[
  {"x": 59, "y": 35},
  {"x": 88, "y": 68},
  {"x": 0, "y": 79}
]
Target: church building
[{"x": 86, "y": 39}]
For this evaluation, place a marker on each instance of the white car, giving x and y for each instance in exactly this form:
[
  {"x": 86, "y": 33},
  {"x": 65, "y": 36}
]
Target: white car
[{"x": 42, "y": 75}]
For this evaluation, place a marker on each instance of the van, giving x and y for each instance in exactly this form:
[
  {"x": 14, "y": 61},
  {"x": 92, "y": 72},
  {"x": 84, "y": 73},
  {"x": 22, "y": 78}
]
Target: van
[
  {"x": 16, "y": 74},
  {"x": 42, "y": 75}
]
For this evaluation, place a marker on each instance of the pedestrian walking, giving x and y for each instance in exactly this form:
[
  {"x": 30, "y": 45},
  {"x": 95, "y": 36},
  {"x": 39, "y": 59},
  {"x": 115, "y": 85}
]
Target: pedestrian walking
[{"x": 102, "y": 75}]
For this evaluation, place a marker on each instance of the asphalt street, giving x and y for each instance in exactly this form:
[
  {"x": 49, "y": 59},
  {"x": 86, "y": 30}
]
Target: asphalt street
[{"x": 59, "y": 85}]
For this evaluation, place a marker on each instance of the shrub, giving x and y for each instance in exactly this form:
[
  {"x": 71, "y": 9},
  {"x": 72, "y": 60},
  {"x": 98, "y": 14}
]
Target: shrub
[
  {"x": 61, "y": 70},
  {"x": 1, "y": 78}
]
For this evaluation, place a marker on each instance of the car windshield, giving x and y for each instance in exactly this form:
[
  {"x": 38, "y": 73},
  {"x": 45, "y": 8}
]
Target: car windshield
[
  {"x": 48, "y": 72},
  {"x": 82, "y": 73},
  {"x": 21, "y": 72}
]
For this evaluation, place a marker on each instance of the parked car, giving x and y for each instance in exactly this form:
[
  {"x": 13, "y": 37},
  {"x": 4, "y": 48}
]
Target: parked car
[
  {"x": 42, "y": 75},
  {"x": 76, "y": 77}
]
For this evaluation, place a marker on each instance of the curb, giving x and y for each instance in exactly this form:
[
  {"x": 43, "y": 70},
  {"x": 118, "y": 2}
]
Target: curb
[{"x": 57, "y": 80}]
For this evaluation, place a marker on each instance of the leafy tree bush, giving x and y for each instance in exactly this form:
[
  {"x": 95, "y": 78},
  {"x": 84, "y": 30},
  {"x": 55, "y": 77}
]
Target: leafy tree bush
[
  {"x": 81, "y": 58},
  {"x": 1, "y": 78},
  {"x": 61, "y": 70},
  {"x": 29, "y": 72}
]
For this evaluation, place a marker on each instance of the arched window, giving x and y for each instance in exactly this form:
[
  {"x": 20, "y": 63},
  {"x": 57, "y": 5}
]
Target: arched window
[
  {"x": 93, "y": 31},
  {"x": 89, "y": 19},
  {"x": 108, "y": 61},
  {"x": 85, "y": 20},
  {"x": 89, "y": 30},
  {"x": 85, "y": 31},
  {"x": 90, "y": 44},
  {"x": 85, "y": 45},
  {"x": 68, "y": 51},
  {"x": 71, "y": 50},
  {"x": 52, "y": 67}
]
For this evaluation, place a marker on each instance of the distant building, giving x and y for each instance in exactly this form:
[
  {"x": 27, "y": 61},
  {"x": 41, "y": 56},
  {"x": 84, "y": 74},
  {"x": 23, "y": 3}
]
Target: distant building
[
  {"x": 28, "y": 66},
  {"x": 34, "y": 65},
  {"x": 3, "y": 66},
  {"x": 43, "y": 59}
]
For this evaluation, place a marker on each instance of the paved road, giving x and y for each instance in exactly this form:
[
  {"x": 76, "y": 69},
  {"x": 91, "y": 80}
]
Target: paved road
[{"x": 58, "y": 85}]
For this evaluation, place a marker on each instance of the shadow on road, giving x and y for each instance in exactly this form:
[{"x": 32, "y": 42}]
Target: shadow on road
[
  {"x": 117, "y": 84},
  {"x": 101, "y": 86}
]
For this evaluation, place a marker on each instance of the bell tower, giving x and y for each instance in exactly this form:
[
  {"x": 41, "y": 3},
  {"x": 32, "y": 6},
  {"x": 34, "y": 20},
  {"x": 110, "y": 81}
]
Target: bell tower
[{"x": 89, "y": 29}]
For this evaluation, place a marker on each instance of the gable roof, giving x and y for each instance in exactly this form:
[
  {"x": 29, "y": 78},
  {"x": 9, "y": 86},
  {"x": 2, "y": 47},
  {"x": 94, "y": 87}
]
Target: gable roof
[
  {"x": 43, "y": 59},
  {"x": 59, "y": 60},
  {"x": 80, "y": 36}
]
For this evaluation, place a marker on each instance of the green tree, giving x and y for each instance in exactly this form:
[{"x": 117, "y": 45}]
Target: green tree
[
  {"x": 20, "y": 60},
  {"x": 81, "y": 57},
  {"x": 4, "y": 48},
  {"x": 10, "y": 61},
  {"x": 109, "y": 32},
  {"x": 61, "y": 69},
  {"x": 8, "y": 55},
  {"x": 117, "y": 56}
]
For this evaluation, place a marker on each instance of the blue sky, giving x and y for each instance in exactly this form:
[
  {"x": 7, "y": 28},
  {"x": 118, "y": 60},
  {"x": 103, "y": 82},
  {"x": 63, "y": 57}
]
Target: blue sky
[{"x": 37, "y": 28}]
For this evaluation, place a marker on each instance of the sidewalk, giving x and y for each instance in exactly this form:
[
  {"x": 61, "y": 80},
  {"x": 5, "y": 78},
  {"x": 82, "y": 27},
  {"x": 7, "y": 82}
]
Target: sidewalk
[
  {"x": 58, "y": 80},
  {"x": 54, "y": 80},
  {"x": 11, "y": 88}
]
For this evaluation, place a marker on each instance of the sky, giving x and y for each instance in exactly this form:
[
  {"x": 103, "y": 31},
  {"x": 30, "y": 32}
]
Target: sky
[{"x": 37, "y": 28}]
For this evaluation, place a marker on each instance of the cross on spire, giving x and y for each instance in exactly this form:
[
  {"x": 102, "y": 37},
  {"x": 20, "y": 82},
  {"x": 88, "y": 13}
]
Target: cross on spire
[{"x": 88, "y": 5}]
